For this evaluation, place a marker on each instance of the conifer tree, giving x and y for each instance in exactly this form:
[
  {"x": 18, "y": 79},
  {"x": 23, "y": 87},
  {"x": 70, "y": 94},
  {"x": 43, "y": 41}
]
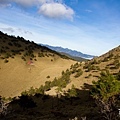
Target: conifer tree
[{"x": 106, "y": 92}]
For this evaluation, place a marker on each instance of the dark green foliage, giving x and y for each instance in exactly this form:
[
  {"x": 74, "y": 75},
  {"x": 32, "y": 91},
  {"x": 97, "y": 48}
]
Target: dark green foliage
[
  {"x": 63, "y": 72},
  {"x": 79, "y": 73},
  {"x": 110, "y": 55},
  {"x": 31, "y": 91},
  {"x": 62, "y": 81},
  {"x": 118, "y": 76},
  {"x": 46, "y": 55},
  {"x": 76, "y": 65},
  {"x": 40, "y": 55},
  {"x": 105, "y": 59},
  {"x": 114, "y": 65},
  {"x": 17, "y": 44},
  {"x": 54, "y": 82},
  {"x": 116, "y": 56},
  {"x": 7, "y": 55},
  {"x": 24, "y": 93},
  {"x": 25, "y": 54},
  {"x": 74, "y": 68},
  {"x": 94, "y": 61},
  {"x": 47, "y": 85},
  {"x": 72, "y": 92},
  {"x": 90, "y": 67},
  {"x": 116, "y": 62},
  {"x": 117, "y": 66},
  {"x": 40, "y": 90},
  {"x": 105, "y": 92},
  {"x": 32, "y": 55}
]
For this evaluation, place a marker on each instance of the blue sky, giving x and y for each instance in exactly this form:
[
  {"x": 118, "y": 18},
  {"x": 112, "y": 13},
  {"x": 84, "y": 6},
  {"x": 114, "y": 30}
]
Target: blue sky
[{"x": 89, "y": 26}]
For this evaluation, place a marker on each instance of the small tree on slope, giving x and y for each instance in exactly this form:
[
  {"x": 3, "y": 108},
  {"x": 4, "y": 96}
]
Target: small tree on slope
[{"x": 106, "y": 92}]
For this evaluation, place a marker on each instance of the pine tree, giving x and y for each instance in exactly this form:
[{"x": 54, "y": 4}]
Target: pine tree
[{"x": 106, "y": 92}]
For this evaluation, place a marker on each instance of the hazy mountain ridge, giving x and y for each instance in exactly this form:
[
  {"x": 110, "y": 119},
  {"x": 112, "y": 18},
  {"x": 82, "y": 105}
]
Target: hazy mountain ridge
[{"x": 73, "y": 53}]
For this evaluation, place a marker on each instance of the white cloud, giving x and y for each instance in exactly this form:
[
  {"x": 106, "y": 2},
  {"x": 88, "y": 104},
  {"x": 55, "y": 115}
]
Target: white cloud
[
  {"x": 48, "y": 8},
  {"x": 28, "y": 3},
  {"x": 56, "y": 10}
]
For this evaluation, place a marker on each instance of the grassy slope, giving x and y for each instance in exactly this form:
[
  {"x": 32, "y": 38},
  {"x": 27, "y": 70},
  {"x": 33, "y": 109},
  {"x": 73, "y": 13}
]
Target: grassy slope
[
  {"x": 16, "y": 75},
  {"x": 92, "y": 69}
]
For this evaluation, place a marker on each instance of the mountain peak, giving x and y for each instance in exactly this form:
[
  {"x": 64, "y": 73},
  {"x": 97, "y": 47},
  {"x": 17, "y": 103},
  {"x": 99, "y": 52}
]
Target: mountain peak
[{"x": 73, "y": 53}]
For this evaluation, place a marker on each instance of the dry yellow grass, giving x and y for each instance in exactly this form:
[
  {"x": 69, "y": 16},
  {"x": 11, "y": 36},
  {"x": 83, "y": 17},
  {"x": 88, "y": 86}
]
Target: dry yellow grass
[{"x": 17, "y": 76}]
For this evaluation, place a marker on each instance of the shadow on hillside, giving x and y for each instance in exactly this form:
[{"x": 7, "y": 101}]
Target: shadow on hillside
[{"x": 45, "y": 107}]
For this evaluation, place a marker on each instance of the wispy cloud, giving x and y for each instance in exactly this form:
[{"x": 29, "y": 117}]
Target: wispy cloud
[
  {"x": 5, "y": 3},
  {"x": 29, "y": 3},
  {"x": 9, "y": 29},
  {"x": 13, "y": 30}
]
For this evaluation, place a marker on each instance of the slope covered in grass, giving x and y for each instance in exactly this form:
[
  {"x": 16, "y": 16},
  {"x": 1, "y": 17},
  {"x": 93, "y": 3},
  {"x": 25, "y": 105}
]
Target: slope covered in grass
[{"x": 24, "y": 64}]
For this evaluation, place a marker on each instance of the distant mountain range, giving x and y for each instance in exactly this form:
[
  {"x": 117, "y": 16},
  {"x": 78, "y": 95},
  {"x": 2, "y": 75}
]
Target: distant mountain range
[{"x": 71, "y": 53}]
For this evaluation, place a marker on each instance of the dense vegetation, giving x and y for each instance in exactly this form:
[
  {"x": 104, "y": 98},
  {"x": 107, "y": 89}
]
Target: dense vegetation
[
  {"x": 10, "y": 46},
  {"x": 106, "y": 92}
]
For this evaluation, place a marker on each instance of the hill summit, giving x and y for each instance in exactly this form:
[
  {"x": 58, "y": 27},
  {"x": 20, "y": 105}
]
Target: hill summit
[{"x": 24, "y": 64}]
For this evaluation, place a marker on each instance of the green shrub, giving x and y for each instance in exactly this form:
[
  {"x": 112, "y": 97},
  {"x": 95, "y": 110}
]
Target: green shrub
[
  {"x": 106, "y": 92},
  {"x": 72, "y": 92},
  {"x": 40, "y": 90},
  {"x": 105, "y": 59},
  {"x": 31, "y": 91},
  {"x": 110, "y": 55},
  {"x": 40, "y": 55},
  {"x": 7, "y": 55},
  {"x": 47, "y": 85},
  {"x": 79, "y": 73}
]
